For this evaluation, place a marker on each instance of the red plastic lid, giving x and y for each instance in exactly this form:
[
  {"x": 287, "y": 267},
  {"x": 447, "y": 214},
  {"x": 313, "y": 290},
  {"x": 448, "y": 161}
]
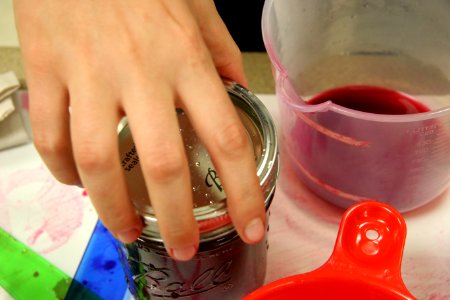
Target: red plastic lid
[{"x": 365, "y": 263}]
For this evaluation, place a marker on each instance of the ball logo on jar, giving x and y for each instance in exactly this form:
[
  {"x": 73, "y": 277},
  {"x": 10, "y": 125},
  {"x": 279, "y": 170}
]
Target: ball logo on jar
[
  {"x": 162, "y": 282},
  {"x": 212, "y": 179}
]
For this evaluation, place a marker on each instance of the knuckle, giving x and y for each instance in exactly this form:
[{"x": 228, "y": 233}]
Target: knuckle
[
  {"x": 37, "y": 57},
  {"x": 163, "y": 163},
  {"x": 194, "y": 47},
  {"x": 232, "y": 140},
  {"x": 91, "y": 158},
  {"x": 193, "y": 42},
  {"x": 49, "y": 146},
  {"x": 191, "y": 37}
]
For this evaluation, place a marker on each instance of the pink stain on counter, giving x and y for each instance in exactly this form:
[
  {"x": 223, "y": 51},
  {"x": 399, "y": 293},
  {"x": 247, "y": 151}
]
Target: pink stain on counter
[{"x": 40, "y": 210}]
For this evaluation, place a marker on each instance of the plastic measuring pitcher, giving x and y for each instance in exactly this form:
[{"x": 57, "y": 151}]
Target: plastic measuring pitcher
[
  {"x": 365, "y": 263},
  {"x": 364, "y": 92}
]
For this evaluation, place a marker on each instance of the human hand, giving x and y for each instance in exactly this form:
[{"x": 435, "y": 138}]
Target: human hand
[{"x": 105, "y": 59}]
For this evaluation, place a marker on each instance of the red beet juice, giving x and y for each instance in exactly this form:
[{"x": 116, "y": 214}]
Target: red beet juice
[
  {"x": 349, "y": 158},
  {"x": 371, "y": 99}
]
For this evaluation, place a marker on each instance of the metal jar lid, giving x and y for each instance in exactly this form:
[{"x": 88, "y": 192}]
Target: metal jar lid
[{"x": 210, "y": 208}]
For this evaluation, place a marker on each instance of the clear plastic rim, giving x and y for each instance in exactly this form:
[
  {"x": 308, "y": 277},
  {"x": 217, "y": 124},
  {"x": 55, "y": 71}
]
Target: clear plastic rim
[{"x": 285, "y": 88}]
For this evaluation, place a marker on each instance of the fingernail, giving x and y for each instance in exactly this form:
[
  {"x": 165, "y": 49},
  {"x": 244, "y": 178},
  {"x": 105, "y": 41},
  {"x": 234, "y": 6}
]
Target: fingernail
[
  {"x": 183, "y": 253},
  {"x": 128, "y": 236},
  {"x": 254, "y": 230}
]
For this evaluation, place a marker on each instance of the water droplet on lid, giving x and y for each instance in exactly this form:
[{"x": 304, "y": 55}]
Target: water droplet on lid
[
  {"x": 197, "y": 163},
  {"x": 196, "y": 188}
]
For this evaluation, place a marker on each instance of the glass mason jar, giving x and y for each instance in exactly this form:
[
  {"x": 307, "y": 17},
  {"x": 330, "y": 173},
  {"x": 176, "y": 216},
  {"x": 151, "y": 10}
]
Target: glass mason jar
[{"x": 224, "y": 266}]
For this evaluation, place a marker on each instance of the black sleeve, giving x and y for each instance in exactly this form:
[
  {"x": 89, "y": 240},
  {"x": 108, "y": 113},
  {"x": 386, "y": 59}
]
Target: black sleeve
[{"x": 243, "y": 20}]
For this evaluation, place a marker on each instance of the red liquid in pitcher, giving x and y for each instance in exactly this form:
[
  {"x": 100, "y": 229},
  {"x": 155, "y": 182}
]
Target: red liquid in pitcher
[{"x": 372, "y": 100}]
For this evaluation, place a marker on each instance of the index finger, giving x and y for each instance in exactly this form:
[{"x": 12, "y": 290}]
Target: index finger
[{"x": 165, "y": 168}]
